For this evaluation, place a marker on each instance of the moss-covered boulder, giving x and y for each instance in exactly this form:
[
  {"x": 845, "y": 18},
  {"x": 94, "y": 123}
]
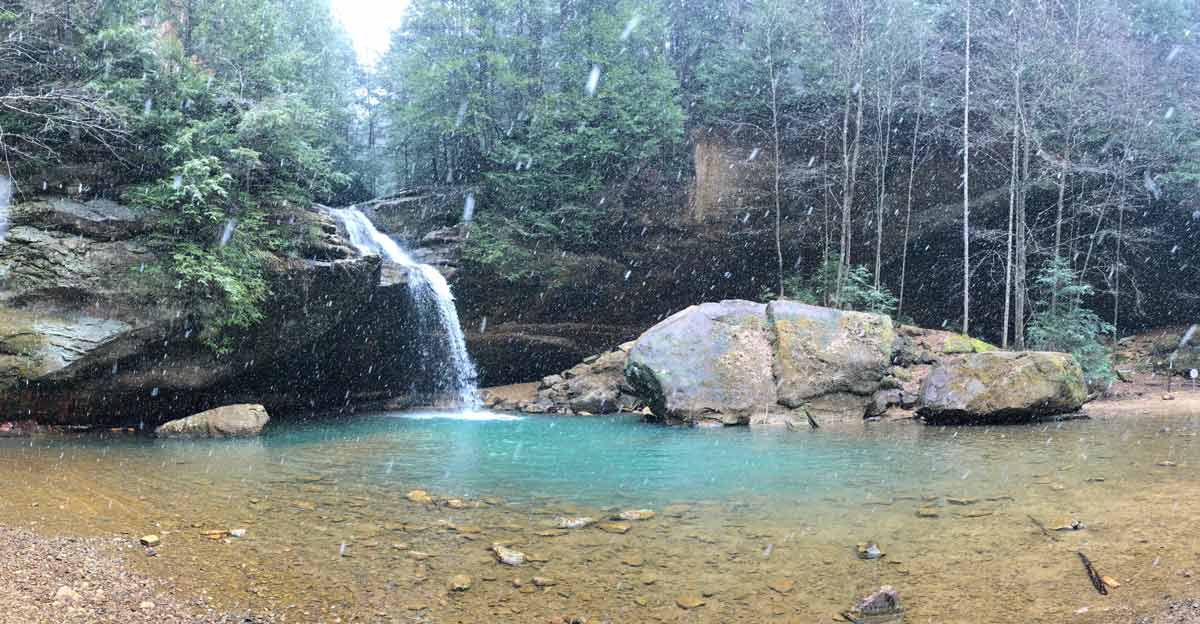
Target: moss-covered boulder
[
  {"x": 829, "y": 362},
  {"x": 707, "y": 364},
  {"x": 1002, "y": 387},
  {"x": 960, "y": 343}
]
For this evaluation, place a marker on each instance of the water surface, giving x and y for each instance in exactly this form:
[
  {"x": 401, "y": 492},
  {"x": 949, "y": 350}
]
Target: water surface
[{"x": 330, "y": 532}]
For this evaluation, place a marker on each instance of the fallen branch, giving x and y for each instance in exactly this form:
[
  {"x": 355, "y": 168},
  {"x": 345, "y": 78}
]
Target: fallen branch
[{"x": 1097, "y": 582}]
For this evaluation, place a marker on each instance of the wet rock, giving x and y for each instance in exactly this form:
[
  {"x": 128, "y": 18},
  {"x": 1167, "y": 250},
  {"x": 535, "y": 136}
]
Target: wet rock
[
  {"x": 507, "y": 555},
  {"x": 146, "y": 605},
  {"x": 573, "y": 523},
  {"x": 689, "y": 601},
  {"x": 635, "y": 514},
  {"x": 869, "y": 550},
  {"x": 961, "y": 501},
  {"x": 615, "y": 527},
  {"x": 150, "y": 540},
  {"x": 542, "y": 581},
  {"x": 928, "y": 512},
  {"x": 229, "y": 421},
  {"x": 883, "y": 603},
  {"x": 1110, "y": 582},
  {"x": 460, "y": 583},
  {"x": 419, "y": 496},
  {"x": 633, "y": 559},
  {"x": 1067, "y": 524},
  {"x": 1002, "y": 387},
  {"x": 782, "y": 585}
]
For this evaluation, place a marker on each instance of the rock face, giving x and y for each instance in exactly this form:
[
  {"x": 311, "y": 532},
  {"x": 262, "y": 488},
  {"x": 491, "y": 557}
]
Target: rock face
[
  {"x": 91, "y": 334},
  {"x": 228, "y": 421},
  {"x": 738, "y": 362},
  {"x": 708, "y": 364},
  {"x": 999, "y": 387}
]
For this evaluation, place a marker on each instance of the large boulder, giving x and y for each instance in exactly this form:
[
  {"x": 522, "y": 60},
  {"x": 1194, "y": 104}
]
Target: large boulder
[
  {"x": 1002, "y": 387},
  {"x": 707, "y": 364},
  {"x": 829, "y": 361},
  {"x": 737, "y": 362},
  {"x": 227, "y": 421}
]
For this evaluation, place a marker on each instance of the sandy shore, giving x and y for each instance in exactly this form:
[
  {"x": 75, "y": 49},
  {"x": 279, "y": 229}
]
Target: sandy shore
[{"x": 74, "y": 580}]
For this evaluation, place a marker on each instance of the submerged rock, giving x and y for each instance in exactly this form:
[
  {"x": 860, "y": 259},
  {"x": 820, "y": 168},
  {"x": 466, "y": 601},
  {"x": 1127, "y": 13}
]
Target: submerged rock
[
  {"x": 242, "y": 420},
  {"x": 881, "y": 606},
  {"x": 869, "y": 550},
  {"x": 1001, "y": 387},
  {"x": 635, "y": 514},
  {"x": 419, "y": 496},
  {"x": 460, "y": 583},
  {"x": 507, "y": 555},
  {"x": 574, "y": 523}
]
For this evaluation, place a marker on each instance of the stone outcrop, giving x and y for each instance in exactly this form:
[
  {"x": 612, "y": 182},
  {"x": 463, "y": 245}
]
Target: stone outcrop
[
  {"x": 92, "y": 332},
  {"x": 594, "y": 386},
  {"x": 708, "y": 364},
  {"x": 227, "y": 421},
  {"x": 738, "y": 362},
  {"x": 516, "y": 352},
  {"x": 830, "y": 362},
  {"x": 1001, "y": 387}
]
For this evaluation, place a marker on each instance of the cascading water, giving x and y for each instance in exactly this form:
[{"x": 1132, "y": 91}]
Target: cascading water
[{"x": 433, "y": 299}]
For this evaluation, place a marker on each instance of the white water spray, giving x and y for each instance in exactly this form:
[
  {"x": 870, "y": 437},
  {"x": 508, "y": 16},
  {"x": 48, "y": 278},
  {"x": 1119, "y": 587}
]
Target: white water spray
[{"x": 431, "y": 294}]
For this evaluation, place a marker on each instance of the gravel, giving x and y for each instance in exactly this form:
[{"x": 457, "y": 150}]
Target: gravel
[
  {"x": 65, "y": 580},
  {"x": 1179, "y": 612}
]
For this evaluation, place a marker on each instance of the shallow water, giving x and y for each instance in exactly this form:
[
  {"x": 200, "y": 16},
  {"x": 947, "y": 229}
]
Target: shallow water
[{"x": 330, "y": 534}]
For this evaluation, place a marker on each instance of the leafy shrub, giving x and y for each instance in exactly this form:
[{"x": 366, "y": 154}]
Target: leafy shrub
[{"x": 1062, "y": 323}]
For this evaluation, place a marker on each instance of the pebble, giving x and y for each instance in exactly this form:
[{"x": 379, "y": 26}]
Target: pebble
[
  {"x": 508, "y": 556},
  {"x": 615, "y": 527},
  {"x": 456, "y": 503},
  {"x": 962, "y": 501},
  {"x": 150, "y": 540},
  {"x": 542, "y": 581},
  {"x": 563, "y": 522},
  {"x": 419, "y": 496},
  {"x": 635, "y": 514},
  {"x": 927, "y": 512},
  {"x": 237, "y": 533},
  {"x": 460, "y": 583},
  {"x": 633, "y": 559},
  {"x": 66, "y": 594},
  {"x": 869, "y": 550},
  {"x": 689, "y": 601},
  {"x": 145, "y": 605},
  {"x": 782, "y": 585},
  {"x": 641, "y": 601}
]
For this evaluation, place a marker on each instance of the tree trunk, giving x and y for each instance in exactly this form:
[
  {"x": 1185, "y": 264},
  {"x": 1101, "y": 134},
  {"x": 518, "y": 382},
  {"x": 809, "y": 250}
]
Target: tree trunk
[
  {"x": 912, "y": 169},
  {"x": 775, "y": 137},
  {"x": 1012, "y": 202},
  {"x": 1022, "y": 255},
  {"x": 966, "y": 295}
]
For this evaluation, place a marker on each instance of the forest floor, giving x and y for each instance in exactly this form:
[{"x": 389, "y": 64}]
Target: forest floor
[{"x": 86, "y": 581}]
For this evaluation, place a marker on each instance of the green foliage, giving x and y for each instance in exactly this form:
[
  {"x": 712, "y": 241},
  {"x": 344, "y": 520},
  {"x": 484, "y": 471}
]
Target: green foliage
[
  {"x": 491, "y": 92},
  {"x": 859, "y": 292},
  {"x": 1062, "y": 323}
]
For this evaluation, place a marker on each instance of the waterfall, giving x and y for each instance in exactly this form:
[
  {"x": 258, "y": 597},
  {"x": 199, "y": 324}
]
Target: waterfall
[{"x": 433, "y": 299}]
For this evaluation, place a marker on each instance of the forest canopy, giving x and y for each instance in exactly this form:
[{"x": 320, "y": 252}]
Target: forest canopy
[{"x": 894, "y": 138}]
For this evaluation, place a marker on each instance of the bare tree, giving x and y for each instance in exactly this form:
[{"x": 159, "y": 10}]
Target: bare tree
[{"x": 966, "y": 181}]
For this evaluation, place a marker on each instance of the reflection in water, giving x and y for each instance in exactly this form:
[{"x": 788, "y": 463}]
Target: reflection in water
[{"x": 954, "y": 509}]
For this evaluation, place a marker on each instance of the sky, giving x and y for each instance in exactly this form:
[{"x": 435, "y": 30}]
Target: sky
[{"x": 369, "y": 22}]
